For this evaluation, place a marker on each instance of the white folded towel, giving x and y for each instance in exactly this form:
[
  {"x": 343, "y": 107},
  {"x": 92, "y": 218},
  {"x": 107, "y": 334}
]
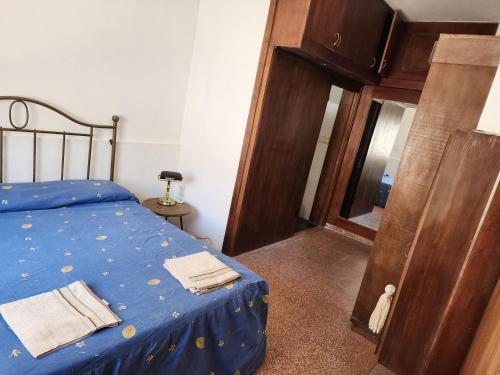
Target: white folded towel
[
  {"x": 200, "y": 272},
  {"x": 51, "y": 320}
]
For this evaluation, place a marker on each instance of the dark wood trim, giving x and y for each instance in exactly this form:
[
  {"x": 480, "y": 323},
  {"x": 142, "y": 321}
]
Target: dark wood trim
[
  {"x": 402, "y": 84},
  {"x": 334, "y": 156},
  {"x": 355, "y": 228},
  {"x": 360, "y": 328},
  {"x": 250, "y": 132}
]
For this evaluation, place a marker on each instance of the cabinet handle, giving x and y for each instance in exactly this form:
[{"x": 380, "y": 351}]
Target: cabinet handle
[
  {"x": 373, "y": 63},
  {"x": 338, "y": 39}
]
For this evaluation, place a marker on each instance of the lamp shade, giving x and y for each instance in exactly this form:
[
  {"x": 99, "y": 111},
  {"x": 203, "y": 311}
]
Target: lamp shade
[{"x": 168, "y": 175}]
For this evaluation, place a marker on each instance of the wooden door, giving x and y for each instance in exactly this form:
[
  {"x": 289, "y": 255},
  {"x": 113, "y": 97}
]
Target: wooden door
[
  {"x": 453, "y": 265},
  {"x": 373, "y": 168},
  {"x": 330, "y": 24},
  {"x": 292, "y": 112},
  {"x": 368, "y": 31}
]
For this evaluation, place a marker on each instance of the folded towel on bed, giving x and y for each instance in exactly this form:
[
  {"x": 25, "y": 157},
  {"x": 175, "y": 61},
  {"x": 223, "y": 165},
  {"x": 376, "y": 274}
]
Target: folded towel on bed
[
  {"x": 200, "y": 272},
  {"x": 51, "y": 320}
]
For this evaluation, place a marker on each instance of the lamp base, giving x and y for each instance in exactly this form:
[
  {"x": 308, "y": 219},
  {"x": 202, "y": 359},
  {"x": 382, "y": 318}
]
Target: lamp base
[{"x": 166, "y": 201}]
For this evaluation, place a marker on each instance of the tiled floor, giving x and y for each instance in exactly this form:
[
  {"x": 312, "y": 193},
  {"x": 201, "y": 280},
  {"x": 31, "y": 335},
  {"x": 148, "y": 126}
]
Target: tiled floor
[
  {"x": 313, "y": 279},
  {"x": 370, "y": 220}
]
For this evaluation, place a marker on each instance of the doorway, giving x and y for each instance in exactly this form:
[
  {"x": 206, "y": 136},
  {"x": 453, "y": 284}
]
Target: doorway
[
  {"x": 380, "y": 126},
  {"x": 320, "y": 153},
  {"x": 372, "y": 177}
]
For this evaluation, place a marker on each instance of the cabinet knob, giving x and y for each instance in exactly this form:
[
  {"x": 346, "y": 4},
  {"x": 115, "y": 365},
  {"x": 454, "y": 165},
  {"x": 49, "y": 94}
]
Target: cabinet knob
[
  {"x": 338, "y": 39},
  {"x": 373, "y": 63}
]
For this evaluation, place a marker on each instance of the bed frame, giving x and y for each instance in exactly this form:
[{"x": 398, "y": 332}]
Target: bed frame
[{"x": 22, "y": 128}]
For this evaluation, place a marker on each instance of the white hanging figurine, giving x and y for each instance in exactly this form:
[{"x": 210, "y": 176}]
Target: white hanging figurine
[{"x": 379, "y": 314}]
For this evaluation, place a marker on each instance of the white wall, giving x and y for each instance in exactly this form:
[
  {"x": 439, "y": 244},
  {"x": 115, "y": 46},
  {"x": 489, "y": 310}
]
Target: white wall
[
  {"x": 96, "y": 58},
  {"x": 226, "y": 53},
  {"x": 490, "y": 118},
  {"x": 400, "y": 141},
  {"x": 320, "y": 152}
]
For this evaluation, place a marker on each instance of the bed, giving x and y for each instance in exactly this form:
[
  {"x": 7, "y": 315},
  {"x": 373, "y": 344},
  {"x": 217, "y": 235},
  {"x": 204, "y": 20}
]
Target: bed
[{"x": 54, "y": 233}]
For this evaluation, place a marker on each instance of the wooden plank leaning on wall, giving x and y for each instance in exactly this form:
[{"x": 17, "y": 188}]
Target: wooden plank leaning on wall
[
  {"x": 460, "y": 78},
  {"x": 453, "y": 265}
]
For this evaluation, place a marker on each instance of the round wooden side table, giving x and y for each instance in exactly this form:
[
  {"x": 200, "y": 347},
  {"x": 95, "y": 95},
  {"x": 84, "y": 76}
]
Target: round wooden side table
[{"x": 177, "y": 210}]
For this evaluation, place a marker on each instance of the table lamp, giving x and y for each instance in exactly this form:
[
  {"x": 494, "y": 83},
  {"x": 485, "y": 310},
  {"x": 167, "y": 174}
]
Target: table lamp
[{"x": 169, "y": 177}]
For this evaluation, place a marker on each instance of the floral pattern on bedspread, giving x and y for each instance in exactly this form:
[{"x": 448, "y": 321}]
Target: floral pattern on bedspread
[{"x": 118, "y": 248}]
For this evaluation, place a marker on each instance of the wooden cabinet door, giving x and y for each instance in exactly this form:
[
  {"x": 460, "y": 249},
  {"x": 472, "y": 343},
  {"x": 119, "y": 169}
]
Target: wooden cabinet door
[
  {"x": 330, "y": 23},
  {"x": 353, "y": 29},
  {"x": 368, "y": 29}
]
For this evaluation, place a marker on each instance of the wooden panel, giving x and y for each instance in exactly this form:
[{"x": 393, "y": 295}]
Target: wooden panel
[
  {"x": 334, "y": 155},
  {"x": 384, "y": 135},
  {"x": 327, "y": 20},
  {"x": 370, "y": 27},
  {"x": 289, "y": 22},
  {"x": 413, "y": 46},
  {"x": 455, "y": 248},
  {"x": 355, "y": 228},
  {"x": 484, "y": 355},
  {"x": 446, "y": 105},
  {"x": 295, "y": 103}
]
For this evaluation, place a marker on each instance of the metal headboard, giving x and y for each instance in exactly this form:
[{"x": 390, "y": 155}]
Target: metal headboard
[{"x": 22, "y": 128}]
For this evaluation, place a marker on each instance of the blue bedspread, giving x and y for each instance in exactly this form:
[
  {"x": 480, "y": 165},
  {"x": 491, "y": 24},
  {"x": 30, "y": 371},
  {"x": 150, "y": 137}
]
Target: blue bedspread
[{"x": 104, "y": 237}]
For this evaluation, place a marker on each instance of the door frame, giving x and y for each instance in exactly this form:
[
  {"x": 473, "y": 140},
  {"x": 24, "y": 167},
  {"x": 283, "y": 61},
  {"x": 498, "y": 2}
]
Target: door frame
[{"x": 344, "y": 163}]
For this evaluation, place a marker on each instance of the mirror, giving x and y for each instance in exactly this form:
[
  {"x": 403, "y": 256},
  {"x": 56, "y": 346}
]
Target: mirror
[{"x": 384, "y": 137}]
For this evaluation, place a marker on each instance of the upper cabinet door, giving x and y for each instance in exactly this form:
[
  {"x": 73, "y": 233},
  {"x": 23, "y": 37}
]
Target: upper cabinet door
[
  {"x": 330, "y": 24},
  {"x": 344, "y": 36},
  {"x": 370, "y": 25},
  {"x": 354, "y": 29}
]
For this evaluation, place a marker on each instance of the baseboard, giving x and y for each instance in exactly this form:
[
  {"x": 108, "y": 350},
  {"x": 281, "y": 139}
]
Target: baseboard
[
  {"x": 360, "y": 328},
  {"x": 348, "y": 234}
]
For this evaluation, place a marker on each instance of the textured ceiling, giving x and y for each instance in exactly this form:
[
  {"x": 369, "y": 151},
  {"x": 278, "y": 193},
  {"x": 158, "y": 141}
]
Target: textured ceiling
[{"x": 448, "y": 10}]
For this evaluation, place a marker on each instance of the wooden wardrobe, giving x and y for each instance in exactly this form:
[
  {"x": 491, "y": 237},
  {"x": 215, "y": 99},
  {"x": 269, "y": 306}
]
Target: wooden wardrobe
[
  {"x": 453, "y": 98},
  {"x": 308, "y": 46}
]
